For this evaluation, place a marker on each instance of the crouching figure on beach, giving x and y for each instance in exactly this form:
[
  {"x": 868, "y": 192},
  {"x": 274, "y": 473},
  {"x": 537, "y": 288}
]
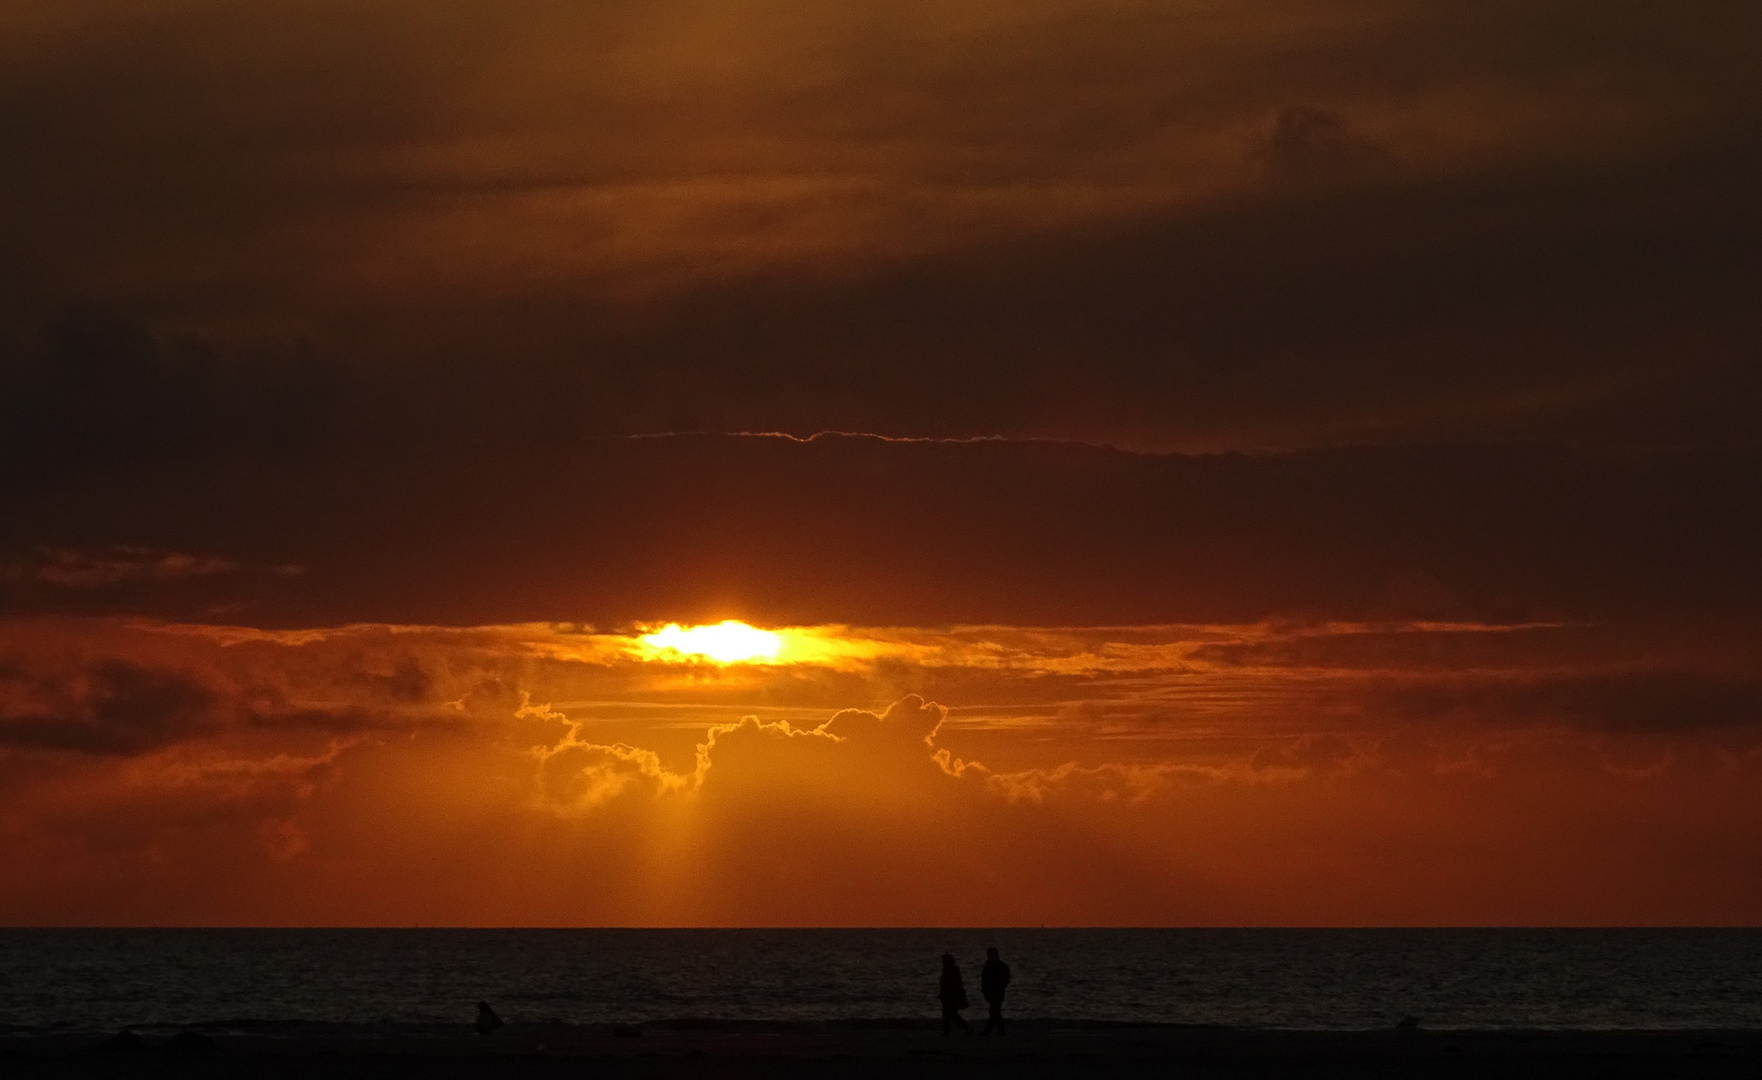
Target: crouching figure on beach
[
  {"x": 993, "y": 981},
  {"x": 953, "y": 992}
]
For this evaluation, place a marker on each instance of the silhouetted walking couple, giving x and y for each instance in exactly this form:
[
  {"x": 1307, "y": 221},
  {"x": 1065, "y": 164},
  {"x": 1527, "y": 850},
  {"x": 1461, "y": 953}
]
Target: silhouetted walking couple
[{"x": 993, "y": 981}]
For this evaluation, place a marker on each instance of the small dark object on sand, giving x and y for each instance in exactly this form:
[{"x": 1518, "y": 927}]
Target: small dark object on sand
[
  {"x": 487, "y": 1020},
  {"x": 123, "y": 1040},
  {"x": 625, "y": 1031},
  {"x": 190, "y": 1044},
  {"x": 1409, "y": 1021}
]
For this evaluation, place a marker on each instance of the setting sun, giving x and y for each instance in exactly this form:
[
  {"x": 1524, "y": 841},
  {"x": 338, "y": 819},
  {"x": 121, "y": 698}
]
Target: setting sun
[{"x": 727, "y": 642}]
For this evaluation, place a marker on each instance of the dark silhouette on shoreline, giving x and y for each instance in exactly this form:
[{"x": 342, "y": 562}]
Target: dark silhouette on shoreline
[
  {"x": 487, "y": 1020},
  {"x": 953, "y": 993},
  {"x": 993, "y": 981}
]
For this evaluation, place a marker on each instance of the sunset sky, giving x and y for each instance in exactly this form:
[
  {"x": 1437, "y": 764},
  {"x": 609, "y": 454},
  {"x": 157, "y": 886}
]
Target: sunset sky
[{"x": 1170, "y": 462}]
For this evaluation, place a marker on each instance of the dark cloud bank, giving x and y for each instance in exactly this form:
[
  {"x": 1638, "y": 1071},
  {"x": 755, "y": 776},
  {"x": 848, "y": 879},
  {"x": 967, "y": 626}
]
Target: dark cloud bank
[
  {"x": 373, "y": 295},
  {"x": 870, "y": 531},
  {"x": 1280, "y": 225},
  {"x": 1610, "y": 306}
]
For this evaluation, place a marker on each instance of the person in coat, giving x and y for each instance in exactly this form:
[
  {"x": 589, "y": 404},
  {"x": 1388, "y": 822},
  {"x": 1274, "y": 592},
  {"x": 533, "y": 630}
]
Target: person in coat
[
  {"x": 993, "y": 981},
  {"x": 953, "y": 994}
]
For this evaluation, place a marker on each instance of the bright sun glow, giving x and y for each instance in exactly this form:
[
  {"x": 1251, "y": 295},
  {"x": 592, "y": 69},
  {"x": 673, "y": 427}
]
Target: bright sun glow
[{"x": 729, "y": 642}]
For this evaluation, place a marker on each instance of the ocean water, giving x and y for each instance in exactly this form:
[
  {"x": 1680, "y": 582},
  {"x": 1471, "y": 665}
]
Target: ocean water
[{"x": 102, "y": 980}]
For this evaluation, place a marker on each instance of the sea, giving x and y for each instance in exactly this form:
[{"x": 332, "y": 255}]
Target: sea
[{"x": 429, "y": 980}]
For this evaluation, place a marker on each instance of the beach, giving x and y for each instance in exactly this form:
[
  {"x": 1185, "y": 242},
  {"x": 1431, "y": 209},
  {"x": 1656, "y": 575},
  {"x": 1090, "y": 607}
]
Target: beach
[
  {"x": 809, "y": 1051},
  {"x": 811, "y": 1004}
]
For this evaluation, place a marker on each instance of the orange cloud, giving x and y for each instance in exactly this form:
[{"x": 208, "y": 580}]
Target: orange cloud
[{"x": 538, "y": 774}]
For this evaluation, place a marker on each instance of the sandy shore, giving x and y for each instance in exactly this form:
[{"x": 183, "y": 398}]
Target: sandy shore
[{"x": 808, "y": 1052}]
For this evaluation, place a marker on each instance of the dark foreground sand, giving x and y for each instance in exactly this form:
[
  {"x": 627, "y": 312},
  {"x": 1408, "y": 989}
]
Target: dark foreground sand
[{"x": 813, "y": 1052}]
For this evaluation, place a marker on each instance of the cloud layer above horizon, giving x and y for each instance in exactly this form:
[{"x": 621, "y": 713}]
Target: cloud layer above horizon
[{"x": 524, "y": 775}]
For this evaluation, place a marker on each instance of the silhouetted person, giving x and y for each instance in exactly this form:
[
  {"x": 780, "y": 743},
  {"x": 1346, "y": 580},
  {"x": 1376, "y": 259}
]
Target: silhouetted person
[
  {"x": 993, "y": 981},
  {"x": 487, "y": 1020},
  {"x": 953, "y": 993}
]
